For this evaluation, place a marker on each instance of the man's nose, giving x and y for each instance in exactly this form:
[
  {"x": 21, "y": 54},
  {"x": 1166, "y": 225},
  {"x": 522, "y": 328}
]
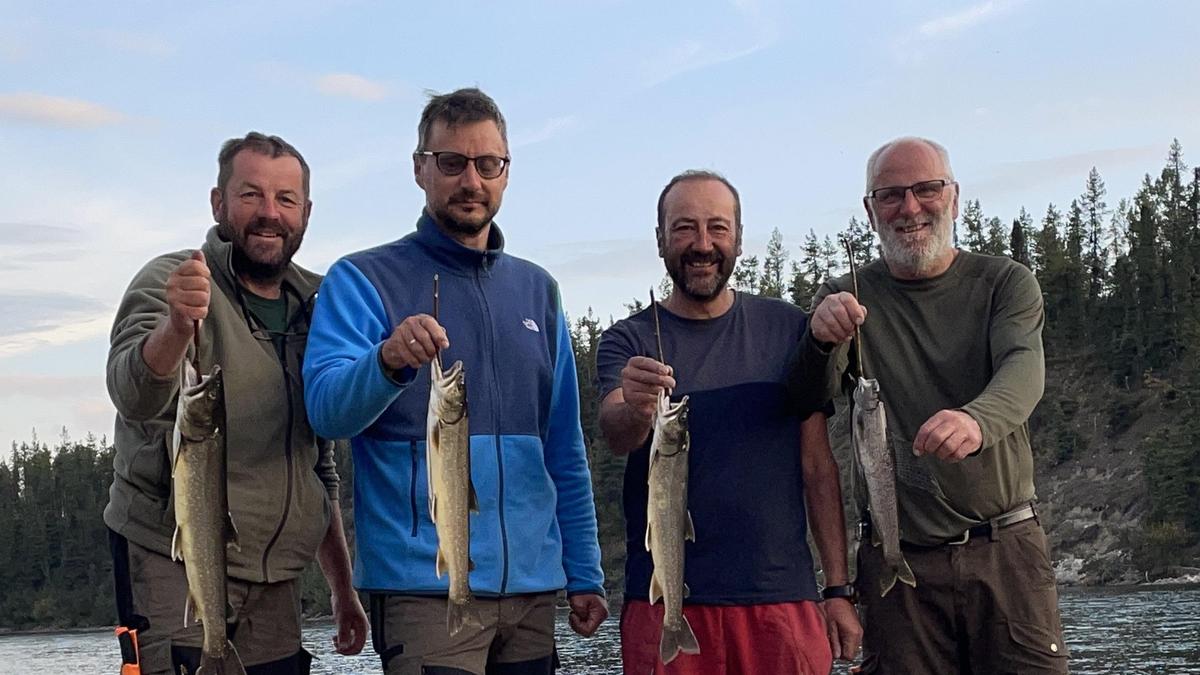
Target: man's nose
[
  {"x": 268, "y": 209},
  {"x": 911, "y": 206},
  {"x": 470, "y": 177}
]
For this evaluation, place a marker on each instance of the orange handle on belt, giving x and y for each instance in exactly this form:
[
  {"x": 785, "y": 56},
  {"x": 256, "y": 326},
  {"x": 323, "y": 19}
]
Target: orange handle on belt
[{"x": 131, "y": 655}]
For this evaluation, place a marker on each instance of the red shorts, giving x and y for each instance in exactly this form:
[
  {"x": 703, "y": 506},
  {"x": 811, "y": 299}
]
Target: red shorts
[{"x": 785, "y": 639}]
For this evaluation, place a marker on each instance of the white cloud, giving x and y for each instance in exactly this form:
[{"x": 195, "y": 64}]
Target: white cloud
[
  {"x": 692, "y": 54},
  {"x": 34, "y": 320},
  {"x": 970, "y": 17},
  {"x": 57, "y": 111},
  {"x": 351, "y": 86},
  {"x": 551, "y": 128},
  {"x": 1009, "y": 177}
]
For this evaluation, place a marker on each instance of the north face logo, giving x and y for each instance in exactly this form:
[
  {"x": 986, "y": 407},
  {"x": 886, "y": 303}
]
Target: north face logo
[{"x": 531, "y": 325}]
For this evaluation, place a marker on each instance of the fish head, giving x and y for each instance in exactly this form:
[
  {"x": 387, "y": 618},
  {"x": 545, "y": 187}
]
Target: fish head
[
  {"x": 673, "y": 418},
  {"x": 201, "y": 410},
  {"x": 866, "y": 394},
  {"x": 450, "y": 389}
]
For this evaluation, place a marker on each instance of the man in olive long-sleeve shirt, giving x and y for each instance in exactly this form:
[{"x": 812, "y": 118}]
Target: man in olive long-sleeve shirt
[{"x": 954, "y": 339}]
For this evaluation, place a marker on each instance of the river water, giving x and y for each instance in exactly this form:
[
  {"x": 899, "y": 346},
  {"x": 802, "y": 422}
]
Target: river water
[{"x": 1122, "y": 631}]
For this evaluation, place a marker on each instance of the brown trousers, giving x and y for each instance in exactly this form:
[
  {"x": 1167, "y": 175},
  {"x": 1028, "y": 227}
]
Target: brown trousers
[{"x": 986, "y": 607}]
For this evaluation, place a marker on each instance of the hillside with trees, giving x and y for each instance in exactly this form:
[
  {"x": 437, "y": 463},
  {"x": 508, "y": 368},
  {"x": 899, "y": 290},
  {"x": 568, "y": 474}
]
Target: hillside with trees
[{"x": 1116, "y": 436}]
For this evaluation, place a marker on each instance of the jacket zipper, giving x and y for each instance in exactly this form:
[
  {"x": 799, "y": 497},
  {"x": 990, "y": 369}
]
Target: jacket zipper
[
  {"x": 496, "y": 422},
  {"x": 413, "y": 486},
  {"x": 281, "y": 353}
]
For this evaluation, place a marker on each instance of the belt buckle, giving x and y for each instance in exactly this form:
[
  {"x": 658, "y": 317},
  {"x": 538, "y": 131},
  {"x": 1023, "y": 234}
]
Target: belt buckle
[{"x": 966, "y": 536}]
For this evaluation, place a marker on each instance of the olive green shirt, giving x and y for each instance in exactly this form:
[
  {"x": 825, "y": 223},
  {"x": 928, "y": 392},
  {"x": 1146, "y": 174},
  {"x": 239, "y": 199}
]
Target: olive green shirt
[{"x": 970, "y": 340}]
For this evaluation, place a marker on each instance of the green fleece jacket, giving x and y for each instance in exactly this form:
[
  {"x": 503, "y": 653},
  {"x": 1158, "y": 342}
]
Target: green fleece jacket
[
  {"x": 970, "y": 340},
  {"x": 281, "y": 477}
]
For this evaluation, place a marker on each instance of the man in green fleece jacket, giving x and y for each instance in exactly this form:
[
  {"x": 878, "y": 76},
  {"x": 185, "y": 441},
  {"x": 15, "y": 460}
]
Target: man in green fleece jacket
[
  {"x": 253, "y": 306},
  {"x": 954, "y": 339}
]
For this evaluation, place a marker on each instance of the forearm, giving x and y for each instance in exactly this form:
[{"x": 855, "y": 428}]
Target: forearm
[
  {"x": 166, "y": 346},
  {"x": 334, "y": 556},
  {"x": 623, "y": 428},
  {"x": 823, "y": 499}
]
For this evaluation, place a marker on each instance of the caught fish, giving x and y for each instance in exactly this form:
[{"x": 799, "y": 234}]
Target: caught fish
[
  {"x": 451, "y": 493},
  {"x": 869, "y": 438},
  {"x": 203, "y": 526},
  {"x": 669, "y": 524}
]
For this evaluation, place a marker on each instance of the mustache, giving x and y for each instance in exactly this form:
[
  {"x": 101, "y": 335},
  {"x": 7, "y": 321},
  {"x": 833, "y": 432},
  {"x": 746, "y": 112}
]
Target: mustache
[
  {"x": 467, "y": 196},
  {"x": 264, "y": 226},
  {"x": 702, "y": 258}
]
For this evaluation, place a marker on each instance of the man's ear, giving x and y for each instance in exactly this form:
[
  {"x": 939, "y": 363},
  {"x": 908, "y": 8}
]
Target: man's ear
[{"x": 217, "y": 201}]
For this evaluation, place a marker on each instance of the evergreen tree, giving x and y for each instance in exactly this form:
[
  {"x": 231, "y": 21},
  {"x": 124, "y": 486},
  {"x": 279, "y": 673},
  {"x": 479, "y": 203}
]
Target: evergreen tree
[
  {"x": 997, "y": 237},
  {"x": 746, "y": 276},
  {"x": 771, "y": 283},
  {"x": 1095, "y": 260},
  {"x": 973, "y": 224}
]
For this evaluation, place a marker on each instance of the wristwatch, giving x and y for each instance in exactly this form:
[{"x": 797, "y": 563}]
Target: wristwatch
[{"x": 845, "y": 591}]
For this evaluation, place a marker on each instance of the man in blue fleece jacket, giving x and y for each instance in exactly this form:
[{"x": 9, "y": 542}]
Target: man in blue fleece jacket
[{"x": 366, "y": 378}]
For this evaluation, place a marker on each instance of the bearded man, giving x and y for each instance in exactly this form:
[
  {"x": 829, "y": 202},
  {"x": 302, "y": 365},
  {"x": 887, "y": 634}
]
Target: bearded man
[
  {"x": 760, "y": 467},
  {"x": 252, "y": 307},
  {"x": 954, "y": 339}
]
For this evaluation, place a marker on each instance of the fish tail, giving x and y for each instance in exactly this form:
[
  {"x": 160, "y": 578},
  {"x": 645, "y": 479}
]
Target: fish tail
[
  {"x": 216, "y": 664},
  {"x": 677, "y": 639},
  {"x": 886, "y": 582},
  {"x": 460, "y": 615}
]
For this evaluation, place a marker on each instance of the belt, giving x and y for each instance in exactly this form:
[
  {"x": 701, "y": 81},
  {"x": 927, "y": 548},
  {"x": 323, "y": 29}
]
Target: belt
[{"x": 988, "y": 529}]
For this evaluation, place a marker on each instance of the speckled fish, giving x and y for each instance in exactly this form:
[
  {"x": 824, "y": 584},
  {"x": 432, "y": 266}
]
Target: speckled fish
[
  {"x": 669, "y": 524},
  {"x": 869, "y": 438},
  {"x": 451, "y": 494},
  {"x": 203, "y": 527}
]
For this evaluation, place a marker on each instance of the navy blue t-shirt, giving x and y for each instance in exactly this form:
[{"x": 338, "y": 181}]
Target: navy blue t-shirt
[{"x": 745, "y": 485}]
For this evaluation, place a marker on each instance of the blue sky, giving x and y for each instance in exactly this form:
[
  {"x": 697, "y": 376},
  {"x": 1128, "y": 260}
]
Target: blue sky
[{"x": 111, "y": 115}]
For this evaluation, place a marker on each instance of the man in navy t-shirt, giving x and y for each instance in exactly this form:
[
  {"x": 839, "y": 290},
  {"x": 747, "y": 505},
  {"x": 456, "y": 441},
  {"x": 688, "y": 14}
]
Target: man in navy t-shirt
[{"x": 760, "y": 465}]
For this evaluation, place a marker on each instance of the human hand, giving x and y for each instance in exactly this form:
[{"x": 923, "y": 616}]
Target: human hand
[
  {"x": 843, "y": 628},
  {"x": 188, "y": 293},
  {"x": 414, "y": 342},
  {"x": 351, "y": 622},
  {"x": 950, "y": 435},
  {"x": 834, "y": 320},
  {"x": 588, "y": 611},
  {"x": 642, "y": 379}
]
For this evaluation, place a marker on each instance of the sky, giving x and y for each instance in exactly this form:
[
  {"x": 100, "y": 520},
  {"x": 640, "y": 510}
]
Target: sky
[{"x": 111, "y": 115}]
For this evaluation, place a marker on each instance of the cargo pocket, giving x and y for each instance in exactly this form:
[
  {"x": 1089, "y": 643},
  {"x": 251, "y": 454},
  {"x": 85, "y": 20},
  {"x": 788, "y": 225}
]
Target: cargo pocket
[{"x": 1031, "y": 648}]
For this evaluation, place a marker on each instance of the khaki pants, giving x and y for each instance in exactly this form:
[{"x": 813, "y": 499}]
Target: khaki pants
[
  {"x": 987, "y": 606},
  {"x": 411, "y": 637},
  {"x": 267, "y": 616}
]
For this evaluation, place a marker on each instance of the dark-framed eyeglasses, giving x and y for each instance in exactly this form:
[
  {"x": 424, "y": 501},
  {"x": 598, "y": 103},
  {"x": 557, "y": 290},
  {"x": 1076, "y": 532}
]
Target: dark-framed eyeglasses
[
  {"x": 454, "y": 163},
  {"x": 926, "y": 191}
]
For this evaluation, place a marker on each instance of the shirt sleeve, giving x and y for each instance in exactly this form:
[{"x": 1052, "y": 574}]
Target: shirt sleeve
[
  {"x": 815, "y": 375},
  {"x": 1018, "y": 362},
  {"x": 138, "y": 393},
  {"x": 617, "y": 346},
  {"x": 345, "y": 386},
  {"x": 567, "y": 463}
]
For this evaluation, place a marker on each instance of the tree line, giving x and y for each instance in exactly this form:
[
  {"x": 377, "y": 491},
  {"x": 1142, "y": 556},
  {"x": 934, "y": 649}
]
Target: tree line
[{"x": 1121, "y": 286}]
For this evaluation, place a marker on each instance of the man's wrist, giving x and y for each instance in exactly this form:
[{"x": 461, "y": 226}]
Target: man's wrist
[{"x": 844, "y": 592}]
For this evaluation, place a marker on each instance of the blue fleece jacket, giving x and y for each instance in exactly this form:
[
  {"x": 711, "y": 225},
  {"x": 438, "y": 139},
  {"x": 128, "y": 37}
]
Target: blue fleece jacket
[{"x": 536, "y": 529}]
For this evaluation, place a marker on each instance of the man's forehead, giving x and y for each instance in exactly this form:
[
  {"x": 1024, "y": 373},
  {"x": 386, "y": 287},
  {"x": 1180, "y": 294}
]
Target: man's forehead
[
  {"x": 694, "y": 194},
  {"x": 482, "y": 131},
  {"x": 909, "y": 159},
  {"x": 252, "y": 165}
]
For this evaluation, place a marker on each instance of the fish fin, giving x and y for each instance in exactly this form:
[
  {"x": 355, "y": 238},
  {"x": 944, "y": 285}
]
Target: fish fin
[
  {"x": 686, "y": 591},
  {"x": 656, "y": 589},
  {"x": 679, "y": 639},
  {"x": 176, "y": 545},
  {"x": 231, "y": 533},
  {"x": 648, "y": 526},
  {"x": 886, "y": 582},
  {"x": 433, "y": 507},
  {"x": 441, "y": 566},
  {"x": 905, "y": 573},
  {"x": 189, "y": 610},
  {"x": 459, "y": 616},
  {"x": 472, "y": 498},
  {"x": 690, "y": 533},
  {"x": 470, "y": 565},
  {"x": 230, "y": 664}
]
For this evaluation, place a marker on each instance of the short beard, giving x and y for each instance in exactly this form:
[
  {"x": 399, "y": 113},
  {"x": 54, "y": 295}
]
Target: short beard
[
  {"x": 258, "y": 270},
  {"x": 920, "y": 259},
  {"x": 678, "y": 273}
]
